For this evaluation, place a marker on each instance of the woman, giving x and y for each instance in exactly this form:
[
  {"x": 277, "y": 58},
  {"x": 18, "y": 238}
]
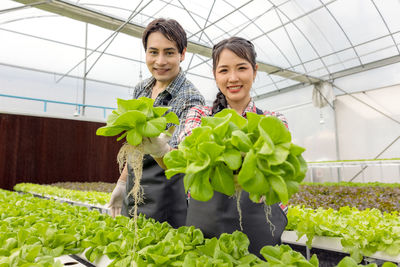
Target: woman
[{"x": 234, "y": 68}]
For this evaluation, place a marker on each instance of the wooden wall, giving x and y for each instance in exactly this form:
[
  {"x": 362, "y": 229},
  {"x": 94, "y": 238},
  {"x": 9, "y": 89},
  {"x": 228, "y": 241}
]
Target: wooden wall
[{"x": 45, "y": 150}]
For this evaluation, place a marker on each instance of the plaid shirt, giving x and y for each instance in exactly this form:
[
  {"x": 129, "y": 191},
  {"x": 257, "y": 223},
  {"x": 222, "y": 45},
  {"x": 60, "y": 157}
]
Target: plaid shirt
[
  {"x": 193, "y": 120},
  {"x": 181, "y": 95},
  {"x": 194, "y": 115}
]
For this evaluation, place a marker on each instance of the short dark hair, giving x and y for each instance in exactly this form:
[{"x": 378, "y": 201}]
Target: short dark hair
[
  {"x": 170, "y": 28},
  {"x": 238, "y": 45}
]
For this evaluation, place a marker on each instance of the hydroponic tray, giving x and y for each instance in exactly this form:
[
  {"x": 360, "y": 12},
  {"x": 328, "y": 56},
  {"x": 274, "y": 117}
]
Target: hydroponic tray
[
  {"x": 100, "y": 208},
  {"x": 330, "y": 244}
]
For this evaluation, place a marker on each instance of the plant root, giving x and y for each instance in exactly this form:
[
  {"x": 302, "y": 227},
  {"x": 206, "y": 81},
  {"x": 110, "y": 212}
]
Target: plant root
[
  {"x": 133, "y": 155},
  {"x": 268, "y": 213},
  {"x": 238, "y": 196}
]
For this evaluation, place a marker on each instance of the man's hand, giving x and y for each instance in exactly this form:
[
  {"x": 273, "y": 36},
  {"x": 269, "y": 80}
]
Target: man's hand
[
  {"x": 117, "y": 196},
  {"x": 157, "y": 147}
]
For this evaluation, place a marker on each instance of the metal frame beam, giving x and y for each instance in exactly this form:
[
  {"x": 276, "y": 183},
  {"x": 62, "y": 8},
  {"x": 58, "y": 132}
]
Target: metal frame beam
[
  {"x": 336, "y": 75},
  {"x": 368, "y": 66},
  {"x": 84, "y": 14}
]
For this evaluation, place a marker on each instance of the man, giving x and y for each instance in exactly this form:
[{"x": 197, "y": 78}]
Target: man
[{"x": 164, "y": 42}]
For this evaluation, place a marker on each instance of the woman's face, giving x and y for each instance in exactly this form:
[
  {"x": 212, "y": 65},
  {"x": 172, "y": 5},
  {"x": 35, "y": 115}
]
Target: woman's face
[{"x": 234, "y": 77}]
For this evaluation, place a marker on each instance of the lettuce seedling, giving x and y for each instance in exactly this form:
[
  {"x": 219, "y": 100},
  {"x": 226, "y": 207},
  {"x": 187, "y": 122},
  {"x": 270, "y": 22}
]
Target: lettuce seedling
[
  {"x": 137, "y": 118},
  {"x": 229, "y": 153}
]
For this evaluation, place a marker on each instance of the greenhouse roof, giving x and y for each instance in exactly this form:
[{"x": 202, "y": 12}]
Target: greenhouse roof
[{"x": 297, "y": 42}]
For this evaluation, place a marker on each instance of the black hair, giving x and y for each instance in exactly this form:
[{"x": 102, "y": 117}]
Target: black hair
[{"x": 170, "y": 28}]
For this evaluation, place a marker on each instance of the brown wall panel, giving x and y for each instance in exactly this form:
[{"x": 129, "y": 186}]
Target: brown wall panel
[{"x": 46, "y": 150}]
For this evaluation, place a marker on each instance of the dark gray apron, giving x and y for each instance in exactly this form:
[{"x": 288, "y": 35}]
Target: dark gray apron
[
  {"x": 220, "y": 215},
  {"x": 164, "y": 200}
]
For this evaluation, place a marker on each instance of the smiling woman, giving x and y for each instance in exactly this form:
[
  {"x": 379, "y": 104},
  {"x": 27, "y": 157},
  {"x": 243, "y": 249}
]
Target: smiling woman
[
  {"x": 234, "y": 68},
  {"x": 234, "y": 77}
]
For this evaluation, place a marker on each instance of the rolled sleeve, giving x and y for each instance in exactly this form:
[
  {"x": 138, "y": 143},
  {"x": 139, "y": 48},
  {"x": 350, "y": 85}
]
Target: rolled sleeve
[{"x": 195, "y": 100}]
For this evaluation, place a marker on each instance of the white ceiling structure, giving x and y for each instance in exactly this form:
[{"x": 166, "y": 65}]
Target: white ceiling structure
[{"x": 298, "y": 42}]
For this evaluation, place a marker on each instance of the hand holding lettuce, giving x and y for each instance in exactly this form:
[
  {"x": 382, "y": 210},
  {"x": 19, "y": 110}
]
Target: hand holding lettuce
[
  {"x": 257, "y": 152},
  {"x": 141, "y": 124}
]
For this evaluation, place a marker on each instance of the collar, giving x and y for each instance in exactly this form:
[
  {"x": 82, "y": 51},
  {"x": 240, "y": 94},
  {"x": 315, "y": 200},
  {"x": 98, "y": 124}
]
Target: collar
[{"x": 251, "y": 107}]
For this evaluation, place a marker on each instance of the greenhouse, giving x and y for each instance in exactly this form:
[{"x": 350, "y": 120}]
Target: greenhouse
[{"x": 200, "y": 133}]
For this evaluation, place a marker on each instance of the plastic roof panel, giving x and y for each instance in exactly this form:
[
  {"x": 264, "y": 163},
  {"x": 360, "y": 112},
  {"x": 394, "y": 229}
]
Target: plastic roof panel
[
  {"x": 294, "y": 9},
  {"x": 360, "y": 20},
  {"x": 248, "y": 31},
  {"x": 335, "y": 61},
  {"x": 322, "y": 23},
  {"x": 389, "y": 10},
  {"x": 303, "y": 45},
  {"x": 319, "y": 39},
  {"x": 254, "y": 9},
  {"x": 316, "y": 68},
  {"x": 382, "y": 53},
  {"x": 268, "y": 51},
  {"x": 311, "y": 37},
  {"x": 375, "y": 47},
  {"x": 268, "y": 21},
  {"x": 396, "y": 37},
  {"x": 281, "y": 38},
  {"x": 347, "y": 55}
]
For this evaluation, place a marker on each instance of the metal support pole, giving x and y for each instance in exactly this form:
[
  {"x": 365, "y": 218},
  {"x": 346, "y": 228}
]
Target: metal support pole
[
  {"x": 342, "y": 168},
  {"x": 336, "y": 138},
  {"x": 399, "y": 171},
  {"x": 311, "y": 175},
  {"x": 363, "y": 176},
  {"x": 84, "y": 72}
]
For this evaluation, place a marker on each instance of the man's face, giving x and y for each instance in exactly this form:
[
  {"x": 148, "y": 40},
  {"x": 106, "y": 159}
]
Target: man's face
[{"x": 163, "y": 58}]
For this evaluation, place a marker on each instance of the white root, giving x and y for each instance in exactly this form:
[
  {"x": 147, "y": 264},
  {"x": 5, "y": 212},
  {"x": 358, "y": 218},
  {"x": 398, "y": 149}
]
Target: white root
[
  {"x": 268, "y": 213},
  {"x": 133, "y": 155},
  {"x": 238, "y": 194}
]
